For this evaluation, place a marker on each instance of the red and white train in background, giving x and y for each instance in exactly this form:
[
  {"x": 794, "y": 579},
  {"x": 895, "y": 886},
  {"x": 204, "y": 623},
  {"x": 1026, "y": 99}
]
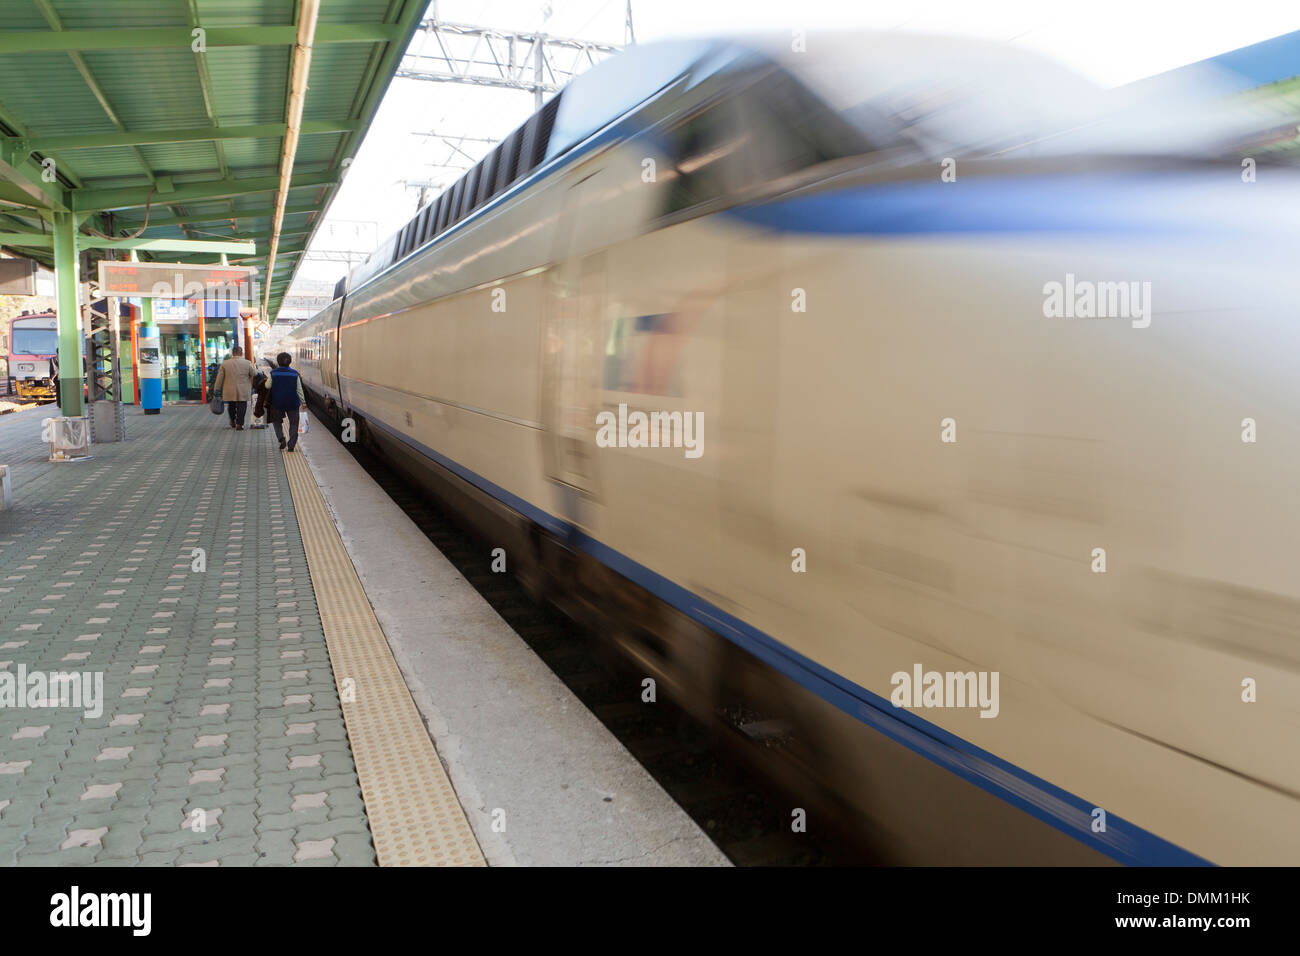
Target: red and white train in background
[{"x": 31, "y": 341}]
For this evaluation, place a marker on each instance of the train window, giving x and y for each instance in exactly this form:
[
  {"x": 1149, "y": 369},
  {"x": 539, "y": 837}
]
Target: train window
[
  {"x": 506, "y": 169},
  {"x": 379, "y": 260},
  {"x": 528, "y": 145},
  {"x": 632, "y": 357},
  {"x": 798, "y": 129},
  {"x": 34, "y": 341},
  {"x": 703, "y": 150},
  {"x": 469, "y": 192},
  {"x": 453, "y": 215},
  {"x": 769, "y": 129},
  {"x": 430, "y": 215},
  {"x": 545, "y": 123},
  {"x": 488, "y": 176},
  {"x": 440, "y": 222},
  {"x": 422, "y": 226}
]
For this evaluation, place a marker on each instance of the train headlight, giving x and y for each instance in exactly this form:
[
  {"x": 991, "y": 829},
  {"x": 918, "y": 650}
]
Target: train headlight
[{"x": 26, "y": 367}]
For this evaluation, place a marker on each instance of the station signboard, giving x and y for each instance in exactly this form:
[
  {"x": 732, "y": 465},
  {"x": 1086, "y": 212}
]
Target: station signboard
[
  {"x": 17, "y": 277},
  {"x": 176, "y": 280}
]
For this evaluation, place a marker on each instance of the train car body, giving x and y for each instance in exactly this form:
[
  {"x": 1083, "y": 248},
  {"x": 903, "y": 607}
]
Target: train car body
[
  {"x": 906, "y": 426},
  {"x": 33, "y": 343}
]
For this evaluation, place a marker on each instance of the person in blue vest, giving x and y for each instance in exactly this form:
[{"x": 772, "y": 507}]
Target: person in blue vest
[{"x": 286, "y": 398}]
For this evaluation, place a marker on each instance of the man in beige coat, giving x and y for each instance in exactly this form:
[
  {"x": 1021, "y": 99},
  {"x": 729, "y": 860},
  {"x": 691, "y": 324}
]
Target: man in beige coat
[{"x": 235, "y": 383}]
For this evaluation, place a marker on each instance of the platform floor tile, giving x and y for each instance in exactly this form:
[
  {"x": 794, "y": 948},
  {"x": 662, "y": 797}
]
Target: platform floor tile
[{"x": 170, "y": 568}]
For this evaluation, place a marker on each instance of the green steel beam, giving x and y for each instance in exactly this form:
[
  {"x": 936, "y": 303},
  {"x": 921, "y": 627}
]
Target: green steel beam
[
  {"x": 126, "y": 197},
  {"x": 39, "y": 240},
  {"x": 45, "y": 144},
  {"x": 92, "y": 84},
  {"x": 224, "y": 216},
  {"x": 258, "y": 235},
  {"x": 28, "y": 240},
  {"x": 12, "y": 193},
  {"x": 15, "y": 217},
  {"x": 67, "y": 178},
  {"x": 224, "y": 241},
  {"x": 69, "y": 317},
  {"x": 205, "y": 87},
  {"x": 145, "y": 38},
  {"x": 52, "y": 17},
  {"x": 30, "y": 177},
  {"x": 11, "y": 220}
]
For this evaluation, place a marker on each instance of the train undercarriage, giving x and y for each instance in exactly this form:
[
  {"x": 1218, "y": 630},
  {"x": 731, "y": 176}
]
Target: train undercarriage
[{"x": 32, "y": 389}]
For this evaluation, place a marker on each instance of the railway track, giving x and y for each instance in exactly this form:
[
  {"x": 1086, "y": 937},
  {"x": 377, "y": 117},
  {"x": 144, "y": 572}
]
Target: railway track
[{"x": 743, "y": 813}]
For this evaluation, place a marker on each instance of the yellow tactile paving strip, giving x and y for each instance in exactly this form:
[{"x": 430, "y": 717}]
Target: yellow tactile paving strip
[{"x": 415, "y": 817}]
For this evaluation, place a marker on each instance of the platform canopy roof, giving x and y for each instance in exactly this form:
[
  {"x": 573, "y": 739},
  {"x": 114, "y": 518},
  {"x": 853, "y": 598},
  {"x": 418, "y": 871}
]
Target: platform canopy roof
[{"x": 175, "y": 117}]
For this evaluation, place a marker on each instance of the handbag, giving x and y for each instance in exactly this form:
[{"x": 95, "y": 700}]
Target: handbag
[{"x": 215, "y": 404}]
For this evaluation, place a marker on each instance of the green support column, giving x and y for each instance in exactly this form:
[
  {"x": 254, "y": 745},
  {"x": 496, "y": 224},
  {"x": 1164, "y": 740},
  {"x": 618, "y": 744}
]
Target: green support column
[{"x": 65, "y": 288}]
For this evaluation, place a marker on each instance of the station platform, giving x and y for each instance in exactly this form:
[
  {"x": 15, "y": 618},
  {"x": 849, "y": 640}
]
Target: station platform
[{"x": 291, "y": 674}]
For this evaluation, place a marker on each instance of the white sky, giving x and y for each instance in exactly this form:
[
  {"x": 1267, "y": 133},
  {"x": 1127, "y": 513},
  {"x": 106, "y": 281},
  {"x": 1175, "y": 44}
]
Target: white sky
[{"x": 1110, "y": 41}]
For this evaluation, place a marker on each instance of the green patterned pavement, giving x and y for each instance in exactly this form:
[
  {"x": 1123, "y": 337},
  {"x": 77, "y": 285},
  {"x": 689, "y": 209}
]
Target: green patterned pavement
[{"x": 221, "y": 739}]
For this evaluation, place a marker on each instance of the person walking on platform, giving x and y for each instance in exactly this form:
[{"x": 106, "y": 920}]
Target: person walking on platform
[
  {"x": 287, "y": 398},
  {"x": 58, "y": 383},
  {"x": 262, "y": 407},
  {"x": 235, "y": 381}
]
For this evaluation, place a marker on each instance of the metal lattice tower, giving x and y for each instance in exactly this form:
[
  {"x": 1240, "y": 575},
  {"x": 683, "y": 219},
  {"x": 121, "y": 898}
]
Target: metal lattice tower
[
  {"x": 532, "y": 62},
  {"x": 483, "y": 56}
]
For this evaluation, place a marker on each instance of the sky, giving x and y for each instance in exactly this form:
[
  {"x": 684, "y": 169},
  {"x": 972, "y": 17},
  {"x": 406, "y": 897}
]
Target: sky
[{"x": 1111, "y": 42}]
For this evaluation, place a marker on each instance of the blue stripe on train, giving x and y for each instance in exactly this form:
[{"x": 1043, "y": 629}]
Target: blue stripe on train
[
  {"x": 1096, "y": 204},
  {"x": 1123, "y": 841}
]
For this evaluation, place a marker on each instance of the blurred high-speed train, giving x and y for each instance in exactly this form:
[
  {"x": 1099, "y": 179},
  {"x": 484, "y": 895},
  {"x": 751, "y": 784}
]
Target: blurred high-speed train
[{"x": 986, "y": 516}]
